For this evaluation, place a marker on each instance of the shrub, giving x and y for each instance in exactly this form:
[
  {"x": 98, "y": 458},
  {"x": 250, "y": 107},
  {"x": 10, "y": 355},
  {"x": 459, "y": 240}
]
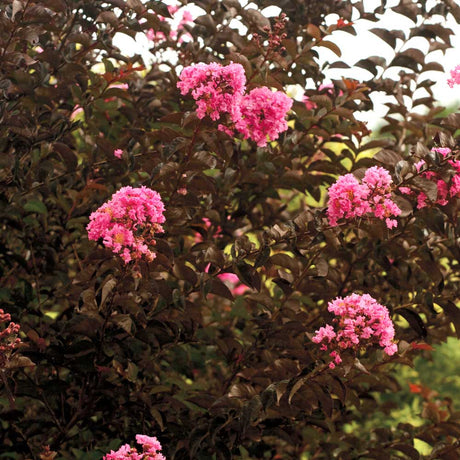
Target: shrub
[{"x": 165, "y": 344}]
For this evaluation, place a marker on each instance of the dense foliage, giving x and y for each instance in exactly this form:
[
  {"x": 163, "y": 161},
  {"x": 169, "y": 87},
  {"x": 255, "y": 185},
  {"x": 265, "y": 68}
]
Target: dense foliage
[{"x": 207, "y": 344}]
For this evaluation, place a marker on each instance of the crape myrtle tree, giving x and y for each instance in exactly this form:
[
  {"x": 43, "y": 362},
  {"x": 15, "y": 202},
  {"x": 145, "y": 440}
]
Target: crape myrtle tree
[{"x": 190, "y": 254}]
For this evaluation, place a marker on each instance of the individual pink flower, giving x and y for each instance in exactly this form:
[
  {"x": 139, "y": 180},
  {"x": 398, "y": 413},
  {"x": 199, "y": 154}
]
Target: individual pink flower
[
  {"x": 9, "y": 339},
  {"x": 455, "y": 77},
  {"x": 405, "y": 190},
  {"x": 226, "y": 129},
  {"x": 172, "y": 9},
  {"x": 310, "y": 105},
  {"x": 443, "y": 192},
  {"x": 336, "y": 359},
  {"x": 328, "y": 88},
  {"x": 208, "y": 224},
  {"x": 444, "y": 151},
  {"x": 348, "y": 198},
  {"x": 124, "y": 452},
  {"x": 128, "y": 221},
  {"x": 151, "y": 448},
  {"x": 77, "y": 110},
  {"x": 123, "y": 86},
  {"x": 216, "y": 89},
  {"x": 187, "y": 17},
  {"x": 445, "y": 189},
  {"x": 150, "y": 34},
  {"x": 263, "y": 115},
  {"x": 155, "y": 36},
  {"x": 419, "y": 165},
  {"x": 421, "y": 200},
  {"x": 454, "y": 190},
  {"x": 360, "y": 322},
  {"x": 118, "y": 153},
  {"x": 392, "y": 223},
  {"x": 233, "y": 283},
  {"x": 455, "y": 165}
]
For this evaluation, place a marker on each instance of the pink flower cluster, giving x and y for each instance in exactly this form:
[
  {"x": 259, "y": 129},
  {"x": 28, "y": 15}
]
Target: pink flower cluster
[
  {"x": 445, "y": 190},
  {"x": 348, "y": 198},
  {"x": 263, "y": 115},
  {"x": 150, "y": 450},
  {"x": 360, "y": 322},
  {"x": 220, "y": 90},
  {"x": 9, "y": 339},
  {"x": 214, "y": 87},
  {"x": 128, "y": 221},
  {"x": 455, "y": 77}
]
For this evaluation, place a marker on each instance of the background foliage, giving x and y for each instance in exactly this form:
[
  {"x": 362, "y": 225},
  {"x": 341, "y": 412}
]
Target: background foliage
[{"x": 173, "y": 353}]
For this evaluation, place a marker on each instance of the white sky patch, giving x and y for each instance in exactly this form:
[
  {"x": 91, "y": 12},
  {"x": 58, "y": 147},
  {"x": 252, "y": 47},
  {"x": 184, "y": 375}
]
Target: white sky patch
[
  {"x": 366, "y": 44},
  {"x": 142, "y": 45}
]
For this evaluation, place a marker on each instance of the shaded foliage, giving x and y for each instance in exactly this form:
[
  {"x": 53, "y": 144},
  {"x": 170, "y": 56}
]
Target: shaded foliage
[{"x": 168, "y": 349}]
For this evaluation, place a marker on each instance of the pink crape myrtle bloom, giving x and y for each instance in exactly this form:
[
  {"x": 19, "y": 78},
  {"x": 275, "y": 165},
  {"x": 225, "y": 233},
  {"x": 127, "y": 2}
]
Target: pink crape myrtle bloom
[
  {"x": 379, "y": 182},
  {"x": 421, "y": 200},
  {"x": 9, "y": 339},
  {"x": 187, "y": 17},
  {"x": 445, "y": 190},
  {"x": 219, "y": 90},
  {"x": 455, "y": 77},
  {"x": 151, "y": 448},
  {"x": 155, "y": 36},
  {"x": 128, "y": 221},
  {"x": 310, "y": 105},
  {"x": 348, "y": 198},
  {"x": 118, "y": 153},
  {"x": 360, "y": 322},
  {"x": 173, "y": 9},
  {"x": 263, "y": 115},
  {"x": 216, "y": 89},
  {"x": 444, "y": 151}
]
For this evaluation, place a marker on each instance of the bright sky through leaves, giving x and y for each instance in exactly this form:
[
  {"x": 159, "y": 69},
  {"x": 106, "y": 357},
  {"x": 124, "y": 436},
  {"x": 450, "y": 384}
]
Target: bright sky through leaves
[{"x": 353, "y": 48}]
